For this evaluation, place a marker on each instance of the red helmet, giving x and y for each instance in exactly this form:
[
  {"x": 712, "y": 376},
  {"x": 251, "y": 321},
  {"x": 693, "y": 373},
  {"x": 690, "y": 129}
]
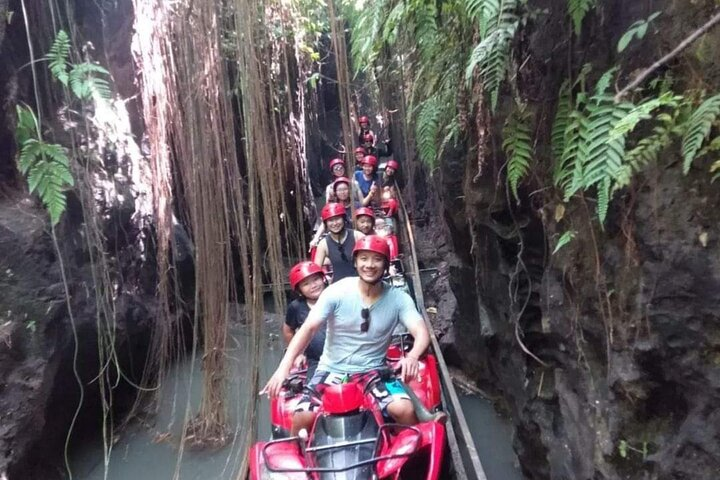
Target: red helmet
[
  {"x": 342, "y": 398},
  {"x": 363, "y": 119},
  {"x": 336, "y": 161},
  {"x": 301, "y": 271},
  {"x": 331, "y": 210},
  {"x": 368, "y": 138},
  {"x": 365, "y": 211},
  {"x": 372, "y": 243},
  {"x": 340, "y": 180},
  {"x": 392, "y": 164},
  {"x": 370, "y": 160},
  {"x": 360, "y": 150}
]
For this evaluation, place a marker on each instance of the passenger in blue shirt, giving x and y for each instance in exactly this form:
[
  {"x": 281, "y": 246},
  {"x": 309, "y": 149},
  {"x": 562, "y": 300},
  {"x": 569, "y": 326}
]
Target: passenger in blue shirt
[
  {"x": 368, "y": 181},
  {"x": 359, "y": 314}
]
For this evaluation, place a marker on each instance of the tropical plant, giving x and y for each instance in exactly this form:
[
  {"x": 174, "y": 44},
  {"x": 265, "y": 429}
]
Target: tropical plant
[
  {"x": 636, "y": 30},
  {"x": 46, "y": 165},
  {"x": 593, "y": 144},
  {"x": 498, "y": 21},
  {"x": 577, "y": 9},
  {"x": 517, "y": 145},
  {"x": 698, "y": 129},
  {"x": 86, "y": 80}
]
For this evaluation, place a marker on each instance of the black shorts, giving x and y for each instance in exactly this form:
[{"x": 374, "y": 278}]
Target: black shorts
[{"x": 385, "y": 388}]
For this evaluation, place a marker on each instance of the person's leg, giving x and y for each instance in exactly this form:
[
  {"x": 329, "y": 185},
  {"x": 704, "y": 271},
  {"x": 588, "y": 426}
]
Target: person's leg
[
  {"x": 402, "y": 411},
  {"x": 304, "y": 414},
  {"x": 302, "y": 420}
]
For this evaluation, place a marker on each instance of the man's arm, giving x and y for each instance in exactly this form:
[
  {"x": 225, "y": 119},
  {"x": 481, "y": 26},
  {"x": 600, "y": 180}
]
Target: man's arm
[
  {"x": 415, "y": 324},
  {"x": 421, "y": 338}
]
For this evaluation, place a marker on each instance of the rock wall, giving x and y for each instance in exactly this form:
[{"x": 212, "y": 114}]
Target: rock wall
[
  {"x": 39, "y": 392},
  {"x": 624, "y": 319}
]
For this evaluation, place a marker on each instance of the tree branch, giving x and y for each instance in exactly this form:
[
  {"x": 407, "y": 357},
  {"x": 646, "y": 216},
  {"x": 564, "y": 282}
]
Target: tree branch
[{"x": 682, "y": 46}]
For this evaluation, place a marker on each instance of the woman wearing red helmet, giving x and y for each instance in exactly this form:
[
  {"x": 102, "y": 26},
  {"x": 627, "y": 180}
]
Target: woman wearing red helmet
[
  {"x": 337, "y": 169},
  {"x": 339, "y": 243},
  {"x": 359, "y": 315},
  {"x": 364, "y": 123},
  {"x": 359, "y": 155},
  {"x": 308, "y": 280},
  {"x": 342, "y": 192}
]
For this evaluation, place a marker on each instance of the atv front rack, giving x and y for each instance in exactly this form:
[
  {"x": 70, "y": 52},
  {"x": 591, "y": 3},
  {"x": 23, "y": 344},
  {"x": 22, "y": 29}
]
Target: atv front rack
[{"x": 370, "y": 461}]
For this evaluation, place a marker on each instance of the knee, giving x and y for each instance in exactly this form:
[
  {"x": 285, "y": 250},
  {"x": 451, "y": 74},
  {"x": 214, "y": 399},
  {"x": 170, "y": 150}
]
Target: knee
[
  {"x": 302, "y": 420},
  {"x": 402, "y": 411}
]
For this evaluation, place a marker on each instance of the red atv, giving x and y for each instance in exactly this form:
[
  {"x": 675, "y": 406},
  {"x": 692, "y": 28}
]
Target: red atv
[{"x": 350, "y": 439}]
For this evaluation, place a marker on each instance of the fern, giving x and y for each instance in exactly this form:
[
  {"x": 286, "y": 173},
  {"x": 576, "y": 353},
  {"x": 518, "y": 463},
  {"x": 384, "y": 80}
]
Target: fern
[
  {"x": 367, "y": 34},
  {"x": 601, "y": 155},
  {"x": 492, "y": 53},
  {"x": 577, "y": 9},
  {"x": 517, "y": 147},
  {"x": 647, "y": 150},
  {"x": 565, "y": 238},
  {"x": 394, "y": 20},
  {"x": 484, "y": 12},
  {"x": 562, "y": 119},
  {"x": 642, "y": 112},
  {"x": 47, "y": 168},
  {"x": 86, "y": 81},
  {"x": 426, "y": 130},
  {"x": 27, "y": 124},
  {"x": 426, "y": 30},
  {"x": 592, "y": 155},
  {"x": 453, "y": 132},
  {"x": 564, "y": 164},
  {"x": 58, "y": 57},
  {"x": 698, "y": 128}
]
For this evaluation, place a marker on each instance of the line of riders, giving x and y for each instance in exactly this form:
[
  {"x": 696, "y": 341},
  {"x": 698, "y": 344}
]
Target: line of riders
[{"x": 341, "y": 329}]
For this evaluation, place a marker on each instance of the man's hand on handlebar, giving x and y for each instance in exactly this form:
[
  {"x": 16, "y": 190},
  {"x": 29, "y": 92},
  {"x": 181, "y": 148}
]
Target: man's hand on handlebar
[
  {"x": 274, "y": 385},
  {"x": 409, "y": 368}
]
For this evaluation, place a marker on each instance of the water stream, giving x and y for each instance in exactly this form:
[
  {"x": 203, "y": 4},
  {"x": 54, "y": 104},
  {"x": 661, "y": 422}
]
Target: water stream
[{"x": 151, "y": 451}]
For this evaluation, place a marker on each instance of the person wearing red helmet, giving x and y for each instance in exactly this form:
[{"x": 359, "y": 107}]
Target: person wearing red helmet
[
  {"x": 367, "y": 180},
  {"x": 308, "y": 281},
  {"x": 359, "y": 155},
  {"x": 359, "y": 314},
  {"x": 391, "y": 166},
  {"x": 337, "y": 169},
  {"x": 338, "y": 244},
  {"x": 342, "y": 191},
  {"x": 365, "y": 220},
  {"x": 364, "y": 123}
]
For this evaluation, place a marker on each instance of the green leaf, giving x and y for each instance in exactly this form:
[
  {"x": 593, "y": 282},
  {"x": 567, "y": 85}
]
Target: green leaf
[
  {"x": 427, "y": 129},
  {"x": 577, "y": 9},
  {"x": 492, "y": 54},
  {"x": 623, "y": 448},
  {"x": 58, "y": 57},
  {"x": 27, "y": 125},
  {"x": 698, "y": 128},
  {"x": 565, "y": 238},
  {"x": 517, "y": 145},
  {"x": 87, "y": 82},
  {"x": 562, "y": 119}
]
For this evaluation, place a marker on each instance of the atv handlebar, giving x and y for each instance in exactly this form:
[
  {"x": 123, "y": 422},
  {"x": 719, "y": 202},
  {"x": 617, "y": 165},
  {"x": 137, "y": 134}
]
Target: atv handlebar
[{"x": 369, "y": 461}]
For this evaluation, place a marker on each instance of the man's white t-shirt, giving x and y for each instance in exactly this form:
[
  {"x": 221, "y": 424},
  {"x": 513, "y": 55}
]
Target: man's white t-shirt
[{"x": 347, "y": 349}]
